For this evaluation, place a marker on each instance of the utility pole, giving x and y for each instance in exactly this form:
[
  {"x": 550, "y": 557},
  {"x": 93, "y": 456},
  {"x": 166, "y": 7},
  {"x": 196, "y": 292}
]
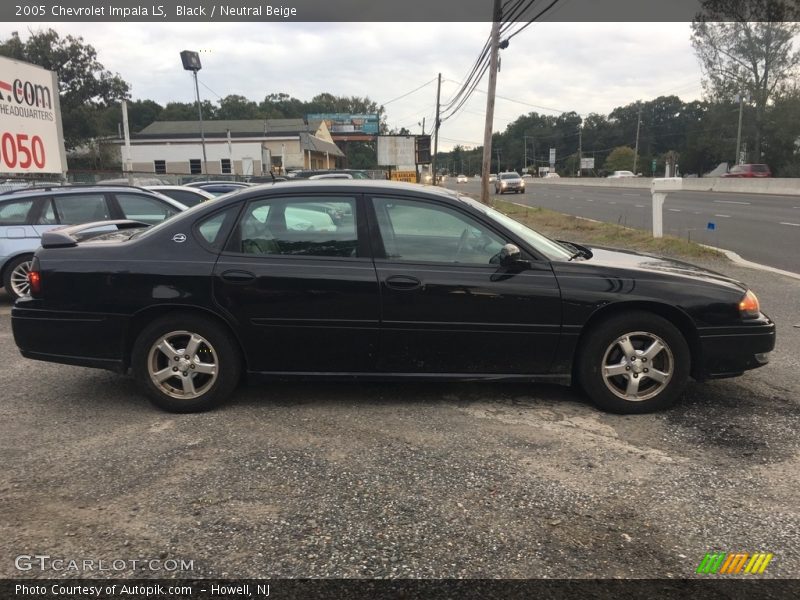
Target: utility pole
[
  {"x": 580, "y": 150},
  {"x": 636, "y": 151},
  {"x": 739, "y": 131},
  {"x": 423, "y": 125},
  {"x": 487, "y": 132},
  {"x": 436, "y": 131},
  {"x": 498, "y": 160}
]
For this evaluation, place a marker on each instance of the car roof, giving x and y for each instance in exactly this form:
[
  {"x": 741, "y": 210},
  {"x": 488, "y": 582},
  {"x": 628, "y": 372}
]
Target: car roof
[
  {"x": 70, "y": 189},
  {"x": 186, "y": 188}
]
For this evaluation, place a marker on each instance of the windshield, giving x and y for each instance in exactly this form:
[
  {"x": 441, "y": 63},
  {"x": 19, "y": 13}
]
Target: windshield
[
  {"x": 551, "y": 249},
  {"x": 509, "y": 176}
]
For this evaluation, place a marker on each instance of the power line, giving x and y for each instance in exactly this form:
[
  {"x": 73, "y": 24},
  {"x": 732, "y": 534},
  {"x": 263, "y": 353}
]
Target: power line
[{"x": 409, "y": 93}]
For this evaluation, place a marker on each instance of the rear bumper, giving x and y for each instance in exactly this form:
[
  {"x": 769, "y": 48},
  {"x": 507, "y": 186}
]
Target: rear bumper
[
  {"x": 730, "y": 351},
  {"x": 82, "y": 339}
]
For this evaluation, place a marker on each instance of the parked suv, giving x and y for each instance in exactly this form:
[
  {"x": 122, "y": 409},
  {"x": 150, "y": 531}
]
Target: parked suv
[
  {"x": 748, "y": 171},
  {"x": 509, "y": 182},
  {"x": 26, "y": 214}
]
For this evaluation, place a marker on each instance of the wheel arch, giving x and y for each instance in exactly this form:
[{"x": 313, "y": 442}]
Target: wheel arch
[
  {"x": 682, "y": 321},
  {"x": 12, "y": 258},
  {"x": 143, "y": 318}
]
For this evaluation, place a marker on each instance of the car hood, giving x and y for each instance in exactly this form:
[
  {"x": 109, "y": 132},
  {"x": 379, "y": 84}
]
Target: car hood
[{"x": 640, "y": 262}]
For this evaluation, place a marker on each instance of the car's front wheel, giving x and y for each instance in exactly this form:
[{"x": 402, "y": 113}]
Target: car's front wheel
[
  {"x": 635, "y": 362},
  {"x": 186, "y": 363},
  {"x": 15, "y": 279}
]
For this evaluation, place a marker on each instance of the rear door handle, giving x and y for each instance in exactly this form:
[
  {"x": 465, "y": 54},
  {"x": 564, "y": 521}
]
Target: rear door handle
[
  {"x": 234, "y": 276},
  {"x": 403, "y": 283}
]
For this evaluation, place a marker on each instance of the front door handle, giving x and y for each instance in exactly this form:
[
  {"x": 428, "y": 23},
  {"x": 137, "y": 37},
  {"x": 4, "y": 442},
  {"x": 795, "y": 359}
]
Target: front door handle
[
  {"x": 403, "y": 283},
  {"x": 235, "y": 276}
]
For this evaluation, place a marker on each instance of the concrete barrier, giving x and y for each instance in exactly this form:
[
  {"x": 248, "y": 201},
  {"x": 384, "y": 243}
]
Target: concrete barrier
[{"x": 768, "y": 185}]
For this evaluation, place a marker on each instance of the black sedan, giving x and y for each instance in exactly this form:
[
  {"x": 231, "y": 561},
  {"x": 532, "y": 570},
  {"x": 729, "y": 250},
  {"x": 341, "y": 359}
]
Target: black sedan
[{"x": 404, "y": 283}]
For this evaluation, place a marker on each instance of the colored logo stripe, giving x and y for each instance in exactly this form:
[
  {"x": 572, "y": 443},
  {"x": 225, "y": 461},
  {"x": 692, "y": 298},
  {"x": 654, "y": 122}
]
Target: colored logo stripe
[
  {"x": 758, "y": 563},
  {"x": 711, "y": 562},
  {"x": 733, "y": 564},
  {"x": 5, "y": 86}
]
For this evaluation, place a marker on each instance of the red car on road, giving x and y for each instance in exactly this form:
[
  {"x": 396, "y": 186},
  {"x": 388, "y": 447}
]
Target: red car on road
[{"x": 749, "y": 171}]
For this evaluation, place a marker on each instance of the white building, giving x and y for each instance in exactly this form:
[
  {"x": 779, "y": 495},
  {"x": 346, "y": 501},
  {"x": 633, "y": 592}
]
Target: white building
[{"x": 241, "y": 147}]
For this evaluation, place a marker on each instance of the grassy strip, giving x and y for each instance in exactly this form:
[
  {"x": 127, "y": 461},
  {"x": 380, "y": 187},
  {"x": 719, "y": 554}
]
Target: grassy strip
[{"x": 584, "y": 231}]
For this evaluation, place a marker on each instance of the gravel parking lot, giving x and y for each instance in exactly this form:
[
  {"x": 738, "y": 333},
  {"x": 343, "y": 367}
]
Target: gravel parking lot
[{"x": 409, "y": 481}]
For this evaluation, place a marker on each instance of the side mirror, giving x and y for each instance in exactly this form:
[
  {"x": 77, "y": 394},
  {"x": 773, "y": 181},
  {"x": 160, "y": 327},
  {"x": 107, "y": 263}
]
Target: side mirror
[{"x": 511, "y": 256}]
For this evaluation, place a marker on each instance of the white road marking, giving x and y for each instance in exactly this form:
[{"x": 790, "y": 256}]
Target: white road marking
[
  {"x": 674, "y": 209},
  {"x": 612, "y": 202},
  {"x": 792, "y": 224},
  {"x": 724, "y": 216},
  {"x": 633, "y": 195},
  {"x": 639, "y": 205},
  {"x": 589, "y": 200},
  {"x": 731, "y": 202}
]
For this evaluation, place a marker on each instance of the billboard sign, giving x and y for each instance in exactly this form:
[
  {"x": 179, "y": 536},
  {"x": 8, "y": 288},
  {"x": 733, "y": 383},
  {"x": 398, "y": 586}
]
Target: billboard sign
[
  {"x": 347, "y": 123},
  {"x": 552, "y": 158},
  {"x": 397, "y": 151},
  {"x": 31, "y": 136},
  {"x": 587, "y": 163}
]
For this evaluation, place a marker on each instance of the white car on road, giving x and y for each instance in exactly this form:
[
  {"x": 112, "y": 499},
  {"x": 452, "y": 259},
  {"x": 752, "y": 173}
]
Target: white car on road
[{"x": 621, "y": 174}]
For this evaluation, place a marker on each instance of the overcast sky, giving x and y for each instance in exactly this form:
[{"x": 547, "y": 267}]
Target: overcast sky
[{"x": 548, "y": 68}]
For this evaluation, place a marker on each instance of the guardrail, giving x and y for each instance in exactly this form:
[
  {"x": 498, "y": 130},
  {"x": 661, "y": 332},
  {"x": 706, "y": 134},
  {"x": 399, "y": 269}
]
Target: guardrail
[{"x": 776, "y": 185}]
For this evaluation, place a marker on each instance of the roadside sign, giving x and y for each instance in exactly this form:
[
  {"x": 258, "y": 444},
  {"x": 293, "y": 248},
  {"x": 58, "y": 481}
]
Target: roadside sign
[
  {"x": 711, "y": 226},
  {"x": 31, "y": 136},
  {"x": 587, "y": 163},
  {"x": 552, "y": 158},
  {"x": 408, "y": 176}
]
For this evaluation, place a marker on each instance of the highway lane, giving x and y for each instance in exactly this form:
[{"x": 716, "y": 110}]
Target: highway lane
[{"x": 761, "y": 228}]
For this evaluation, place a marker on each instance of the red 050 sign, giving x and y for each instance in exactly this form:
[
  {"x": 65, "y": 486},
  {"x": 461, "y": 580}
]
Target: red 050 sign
[{"x": 17, "y": 150}]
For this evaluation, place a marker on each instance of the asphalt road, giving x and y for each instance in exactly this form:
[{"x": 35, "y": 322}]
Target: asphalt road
[
  {"x": 402, "y": 481},
  {"x": 761, "y": 228}
]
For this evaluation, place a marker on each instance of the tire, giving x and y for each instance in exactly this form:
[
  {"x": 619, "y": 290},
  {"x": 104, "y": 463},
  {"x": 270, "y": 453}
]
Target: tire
[
  {"x": 199, "y": 383},
  {"x": 15, "y": 278},
  {"x": 619, "y": 385}
]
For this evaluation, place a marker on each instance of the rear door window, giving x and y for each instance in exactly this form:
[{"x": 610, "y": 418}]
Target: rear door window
[
  {"x": 73, "y": 209},
  {"x": 308, "y": 226}
]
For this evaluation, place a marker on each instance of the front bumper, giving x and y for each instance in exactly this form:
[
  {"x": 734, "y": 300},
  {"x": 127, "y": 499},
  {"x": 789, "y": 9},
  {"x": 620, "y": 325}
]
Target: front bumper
[{"x": 730, "y": 351}]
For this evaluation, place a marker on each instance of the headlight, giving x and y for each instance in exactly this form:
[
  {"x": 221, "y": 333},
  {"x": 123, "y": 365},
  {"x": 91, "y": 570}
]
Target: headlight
[{"x": 748, "y": 306}]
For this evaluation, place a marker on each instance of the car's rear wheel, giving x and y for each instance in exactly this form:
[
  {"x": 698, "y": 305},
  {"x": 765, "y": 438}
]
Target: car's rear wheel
[
  {"x": 186, "y": 363},
  {"x": 635, "y": 362},
  {"x": 15, "y": 279}
]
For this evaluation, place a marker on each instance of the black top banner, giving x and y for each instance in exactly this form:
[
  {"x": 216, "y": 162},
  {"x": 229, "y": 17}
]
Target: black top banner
[{"x": 42, "y": 11}]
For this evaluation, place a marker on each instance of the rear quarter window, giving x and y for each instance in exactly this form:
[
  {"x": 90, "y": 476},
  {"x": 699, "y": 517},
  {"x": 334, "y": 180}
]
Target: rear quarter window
[{"x": 15, "y": 213}]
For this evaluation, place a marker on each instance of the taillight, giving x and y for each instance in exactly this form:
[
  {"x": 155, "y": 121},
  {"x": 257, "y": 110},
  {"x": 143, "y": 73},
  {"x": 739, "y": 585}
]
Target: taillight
[
  {"x": 35, "y": 278},
  {"x": 748, "y": 306}
]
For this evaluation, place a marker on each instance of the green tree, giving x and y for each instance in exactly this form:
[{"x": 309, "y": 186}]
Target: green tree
[
  {"x": 747, "y": 47},
  {"x": 86, "y": 87},
  {"x": 620, "y": 159},
  {"x": 237, "y": 107}
]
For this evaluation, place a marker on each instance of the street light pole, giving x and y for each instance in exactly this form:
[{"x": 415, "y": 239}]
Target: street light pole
[{"x": 191, "y": 62}]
